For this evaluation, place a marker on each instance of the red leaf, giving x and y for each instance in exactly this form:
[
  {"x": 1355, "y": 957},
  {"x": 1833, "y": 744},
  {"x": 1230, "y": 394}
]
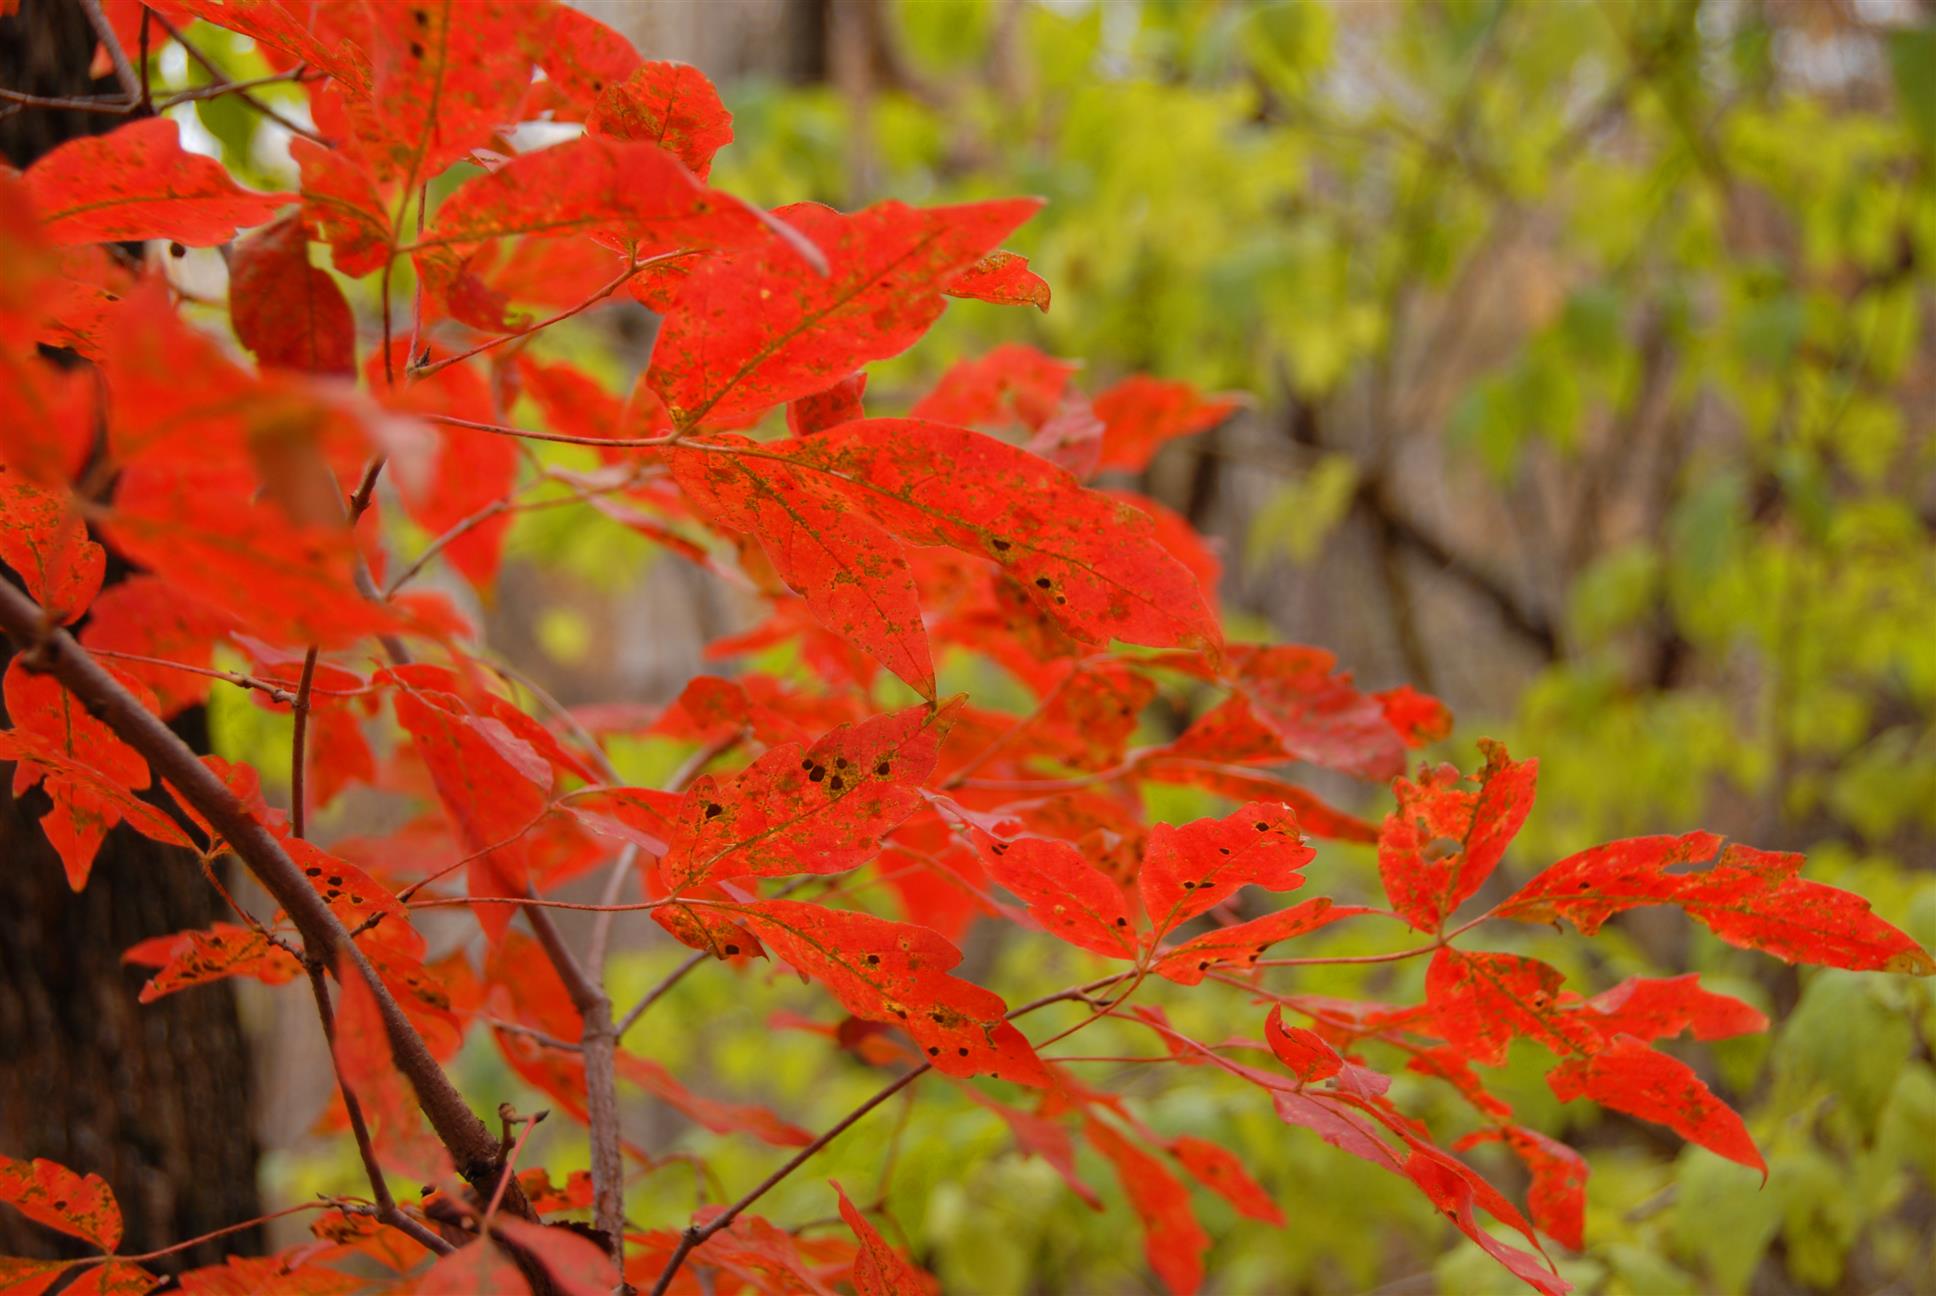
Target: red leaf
[
  {"x": 1750, "y": 898},
  {"x": 1305, "y": 1052},
  {"x": 51, "y": 1194},
  {"x": 23, "y": 1277},
  {"x": 291, "y": 314},
  {"x": 1012, "y": 383},
  {"x": 897, "y": 973},
  {"x": 1630, "y": 1077},
  {"x": 1442, "y": 843},
  {"x": 1317, "y": 817},
  {"x": 115, "y": 1278},
  {"x": 192, "y": 958},
  {"x": 45, "y": 543},
  {"x": 137, "y": 182},
  {"x": 719, "y": 1117},
  {"x": 745, "y": 330},
  {"x": 853, "y": 575},
  {"x": 671, "y": 105},
  {"x": 1089, "y": 562},
  {"x": 1557, "y": 1197},
  {"x": 580, "y": 56},
  {"x": 1244, "y": 943},
  {"x": 147, "y": 617},
  {"x": 821, "y": 809},
  {"x": 340, "y": 202},
  {"x": 821, "y": 410},
  {"x": 493, "y": 786},
  {"x": 1173, "y": 1241},
  {"x": 1649, "y": 1008},
  {"x": 1481, "y": 1002},
  {"x": 1003, "y": 278},
  {"x": 1041, "y": 1137},
  {"x": 48, "y": 719},
  {"x": 403, "y": 1143},
  {"x": 479, "y": 1267},
  {"x": 1219, "y": 1169},
  {"x": 633, "y": 196},
  {"x": 577, "y": 1265},
  {"x": 1418, "y": 717},
  {"x": 1316, "y": 714},
  {"x": 1192, "y": 869},
  {"x": 87, "y": 802},
  {"x": 1453, "y": 1189},
  {"x": 282, "y": 25},
  {"x": 1065, "y": 893},
  {"x": 444, "y": 75},
  {"x": 1140, "y": 414},
  {"x": 879, "y": 1270}
]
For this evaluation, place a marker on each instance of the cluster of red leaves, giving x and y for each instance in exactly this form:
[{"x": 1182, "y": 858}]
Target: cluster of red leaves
[{"x": 242, "y": 496}]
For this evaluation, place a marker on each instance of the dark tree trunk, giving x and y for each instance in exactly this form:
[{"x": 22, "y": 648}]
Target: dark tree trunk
[{"x": 154, "y": 1099}]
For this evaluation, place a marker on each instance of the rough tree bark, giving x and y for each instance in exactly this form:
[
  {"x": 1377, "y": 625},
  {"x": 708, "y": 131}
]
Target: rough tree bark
[{"x": 153, "y": 1098}]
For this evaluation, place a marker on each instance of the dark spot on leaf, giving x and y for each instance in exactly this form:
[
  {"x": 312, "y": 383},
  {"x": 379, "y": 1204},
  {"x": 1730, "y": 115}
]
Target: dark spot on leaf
[
  {"x": 732, "y": 950},
  {"x": 714, "y": 810},
  {"x": 1122, "y": 922},
  {"x": 838, "y": 783},
  {"x": 1001, "y": 546},
  {"x": 1042, "y": 582},
  {"x": 819, "y": 772},
  {"x": 1262, "y": 826},
  {"x": 177, "y": 251},
  {"x": 313, "y": 871},
  {"x": 1204, "y": 966},
  {"x": 881, "y": 769},
  {"x": 963, "y": 1050},
  {"x": 336, "y": 881},
  {"x": 934, "y": 1051},
  {"x": 416, "y": 49},
  {"x": 873, "y": 960}
]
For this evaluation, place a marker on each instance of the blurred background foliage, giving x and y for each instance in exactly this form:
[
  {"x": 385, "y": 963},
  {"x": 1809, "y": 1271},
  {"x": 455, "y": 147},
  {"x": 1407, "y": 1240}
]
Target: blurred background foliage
[{"x": 1589, "y": 347}]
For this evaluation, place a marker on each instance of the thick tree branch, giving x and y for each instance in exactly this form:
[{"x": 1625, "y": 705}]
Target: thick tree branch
[{"x": 47, "y": 649}]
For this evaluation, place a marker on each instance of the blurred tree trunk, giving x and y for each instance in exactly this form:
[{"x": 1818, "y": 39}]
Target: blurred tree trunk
[{"x": 155, "y": 1099}]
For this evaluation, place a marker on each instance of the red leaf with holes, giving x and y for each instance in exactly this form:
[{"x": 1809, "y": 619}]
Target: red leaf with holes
[
  {"x": 51, "y": 1194},
  {"x": 43, "y": 540},
  {"x": 1444, "y": 840},
  {"x": 1244, "y": 943},
  {"x": 1173, "y": 1241},
  {"x": 1141, "y": 414},
  {"x": 670, "y": 105},
  {"x": 897, "y": 973},
  {"x": 137, "y": 182},
  {"x": 444, "y": 76},
  {"x": 1751, "y": 898},
  {"x": 291, "y": 314},
  {"x": 853, "y": 575},
  {"x": 1219, "y": 1169},
  {"x": 1305, "y": 1052},
  {"x": 1003, "y": 278},
  {"x": 1630, "y": 1077},
  {"x": 879, "y": 1270},
  {"x": 193, "y": 958},
  {"x": 1482, "y": 1002},
  {"x": 1192, "y": 869},
  {"x": 1068, "y": 895},
  {"x": 747, "y": 330},
  {"x": 818, "y": 809},
  {"x": 1091, "y": 563}
]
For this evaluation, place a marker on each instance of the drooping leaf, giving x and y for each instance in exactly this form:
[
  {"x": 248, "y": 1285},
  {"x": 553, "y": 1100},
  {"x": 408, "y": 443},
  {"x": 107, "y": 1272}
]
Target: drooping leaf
[
  {"x": 1443, "y": 841},
  {"x": 897, "y": 973},
  {"x": 1173, "y": 1240},
  {"x": 291, "y": 314},
  {"x": 1305, "y": 1052},
  {"x": 1067, "y": 894},
  {"x": 1141, "y": 414},
  {"x": 46, "y": 1192},
  {"x": 851, "y": 572},
  {"x": 879, "y": 1270},
  {"x": 1630, "y": 1077},
  {"x": 44, "y": 541},
  {"x": 715, "y": 1115},
  {"x": 746, "y": 330},
  {"x": 1750, "y": 898},
  {"x": 670, "y": 105},
  {"x": 1557, "y": 1197},
  {"x": 1191, "y": 869},
  {"x": 1454, "y": 1189},
  {"x": 1651, "y": 1008},
  {"x": 1221, "y": 1171},
  {"x": 137, "y": 182},
  {"x": 192, "y": 958},
  {"x": 1315, "y": 712},
  {"x": 1003, "y": 278},
  {"x": 1242, "y": 944}
]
